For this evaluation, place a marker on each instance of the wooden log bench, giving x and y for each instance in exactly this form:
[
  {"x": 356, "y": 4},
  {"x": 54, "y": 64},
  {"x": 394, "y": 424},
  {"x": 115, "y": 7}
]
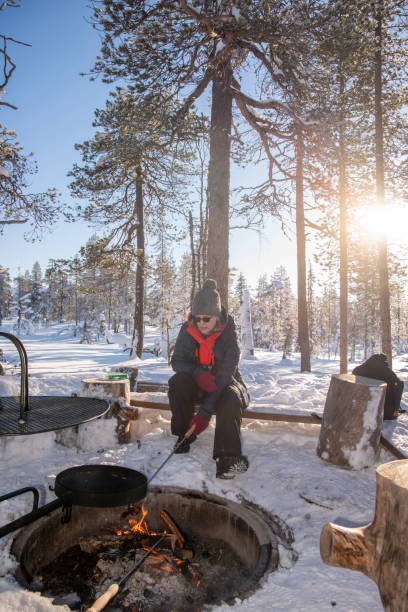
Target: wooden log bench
[
  {"x": 153, "y": 387},
  {"x": 378, "y": 549},
  {"x": 312, "y": 419}
]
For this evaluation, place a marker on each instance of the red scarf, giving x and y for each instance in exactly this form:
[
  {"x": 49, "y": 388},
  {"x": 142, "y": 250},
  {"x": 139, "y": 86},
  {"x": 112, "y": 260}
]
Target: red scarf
[{"x": 205, "y": 350}]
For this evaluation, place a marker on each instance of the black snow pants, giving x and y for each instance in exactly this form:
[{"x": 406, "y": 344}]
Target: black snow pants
[{"x": 184, "y": 393}]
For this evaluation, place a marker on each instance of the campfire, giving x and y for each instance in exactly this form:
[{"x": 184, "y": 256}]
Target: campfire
[
  {"x": 206, "y": 550},
  {"x": 182, "y": 570}
]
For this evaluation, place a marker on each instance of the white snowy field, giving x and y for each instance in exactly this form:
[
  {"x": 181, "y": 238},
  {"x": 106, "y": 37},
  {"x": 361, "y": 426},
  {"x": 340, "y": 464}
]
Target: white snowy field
[{"x": 285, "y": 475}]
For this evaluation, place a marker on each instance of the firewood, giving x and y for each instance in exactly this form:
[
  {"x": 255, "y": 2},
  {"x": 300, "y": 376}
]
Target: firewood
[
  {"x": 154, "y": 560},
  {"x": 94, "y": 544},
  {"x": 171, "y": 524},
  {"x": 173, "y": 541}
]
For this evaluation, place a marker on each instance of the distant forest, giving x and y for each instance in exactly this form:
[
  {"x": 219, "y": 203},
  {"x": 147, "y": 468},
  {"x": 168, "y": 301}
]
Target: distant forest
[{"x": 97, "y": 298}]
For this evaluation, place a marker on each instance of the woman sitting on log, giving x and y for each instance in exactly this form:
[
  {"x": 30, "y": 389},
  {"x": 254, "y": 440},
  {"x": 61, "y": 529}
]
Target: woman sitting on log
[{"x": 205, "y": 360}]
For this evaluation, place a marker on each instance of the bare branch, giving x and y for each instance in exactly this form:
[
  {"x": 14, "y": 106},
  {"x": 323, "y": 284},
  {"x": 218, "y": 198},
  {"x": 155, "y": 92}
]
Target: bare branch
[{"x": 10, "y": 222}]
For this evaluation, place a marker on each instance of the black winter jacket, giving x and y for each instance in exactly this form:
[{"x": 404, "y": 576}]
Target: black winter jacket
[{"x": 225, "y": 369}]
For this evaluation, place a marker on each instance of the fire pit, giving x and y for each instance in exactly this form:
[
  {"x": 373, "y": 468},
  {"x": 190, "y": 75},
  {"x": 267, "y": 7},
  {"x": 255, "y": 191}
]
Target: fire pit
[{"x": 227, "y": 548}]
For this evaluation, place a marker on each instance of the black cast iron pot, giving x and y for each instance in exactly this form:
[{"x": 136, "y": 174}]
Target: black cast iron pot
[{"x": 97, "y": 486}]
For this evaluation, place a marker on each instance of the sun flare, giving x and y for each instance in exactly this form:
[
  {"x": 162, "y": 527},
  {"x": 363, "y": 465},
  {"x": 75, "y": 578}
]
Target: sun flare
[{"x": 390, "y": 222}]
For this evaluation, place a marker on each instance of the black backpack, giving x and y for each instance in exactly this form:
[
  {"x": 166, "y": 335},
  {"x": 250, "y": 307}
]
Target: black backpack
[{"x": 377, "y": 367}]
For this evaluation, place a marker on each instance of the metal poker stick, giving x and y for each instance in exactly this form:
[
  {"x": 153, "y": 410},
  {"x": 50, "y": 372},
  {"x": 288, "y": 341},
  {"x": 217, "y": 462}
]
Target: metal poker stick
[{"x": 187, "y": 435}]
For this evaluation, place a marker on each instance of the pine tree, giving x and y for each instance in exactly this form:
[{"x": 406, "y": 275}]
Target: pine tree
[
  {"x": 6, "y": 294},
  {"x": 21, "y": 303},
  {"x": 57, "y": 280},
  {"x": 131, "y": 166},
  {"x": 36, "y": 293},
  {"x": 186, "y": 48},
  {"x": 259, "y": 314}
]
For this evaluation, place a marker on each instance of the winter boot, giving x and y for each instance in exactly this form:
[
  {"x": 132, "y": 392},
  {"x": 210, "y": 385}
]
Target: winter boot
[{"x": 229, "y": 466}]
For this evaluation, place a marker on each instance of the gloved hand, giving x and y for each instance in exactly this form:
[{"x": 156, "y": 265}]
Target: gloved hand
[
  {"x": 206, "y": 382},
  {"x": 199, "y": 423}
]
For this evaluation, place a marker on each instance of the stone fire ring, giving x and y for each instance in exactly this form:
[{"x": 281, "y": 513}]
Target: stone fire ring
[{"x": 196, "y": 513}]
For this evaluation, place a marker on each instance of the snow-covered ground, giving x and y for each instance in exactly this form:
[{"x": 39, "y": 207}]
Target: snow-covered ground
[{"x": 285, "y": 476}]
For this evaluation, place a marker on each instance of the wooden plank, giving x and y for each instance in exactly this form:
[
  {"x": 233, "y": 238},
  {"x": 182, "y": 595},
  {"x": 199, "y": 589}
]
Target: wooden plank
[
  {"x": 147, "y": 386},
  {"x": 248, "y": 414},
  {"x": 281, "y": 416},
  {"x": 393, "y": 449},
  {"x": 146, "y": 404}
]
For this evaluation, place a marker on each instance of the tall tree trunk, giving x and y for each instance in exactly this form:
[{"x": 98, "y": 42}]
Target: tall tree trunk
[
  {"x": 138, "y": 325},
  {"x": 343, "y": 232},
  {"x": 219, "y": 180},
  {"x": 202, "y": 232},
  {"x": 303, "y": 324},
  {"x": 380, "y": 191},
  {"x": 193, "y": 257}
]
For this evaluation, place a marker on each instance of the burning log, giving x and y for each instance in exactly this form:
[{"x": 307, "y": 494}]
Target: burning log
[
  {"x": 378, "y": 549},
  {"x": 166, "y": 518}
]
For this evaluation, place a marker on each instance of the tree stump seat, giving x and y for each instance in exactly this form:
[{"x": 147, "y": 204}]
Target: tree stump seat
[
  {"x": 118, "y": 392},
  {"x": 378, "y": 549},
  {"x": 352, "y": 419},
  {"x": 107, "y": 389}
]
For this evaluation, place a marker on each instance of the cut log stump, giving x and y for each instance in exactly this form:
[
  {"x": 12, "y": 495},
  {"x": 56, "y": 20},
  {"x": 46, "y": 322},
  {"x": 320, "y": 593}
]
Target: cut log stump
[
  {"x": 118, "y": 392},
  {"x": 106, "y": 389},
  {"x": 378, "y": 549},
  {"x": 352, "y": 420}
]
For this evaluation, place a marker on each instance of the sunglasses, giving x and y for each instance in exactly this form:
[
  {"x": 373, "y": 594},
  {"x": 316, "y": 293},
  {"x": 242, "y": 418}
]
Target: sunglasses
[{"x": 204, "y": 319}]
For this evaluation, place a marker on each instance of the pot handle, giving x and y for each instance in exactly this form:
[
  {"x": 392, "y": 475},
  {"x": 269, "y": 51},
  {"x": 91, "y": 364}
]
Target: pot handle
[
  {"x": 26, "y": 519},
  {"x": 20, "y": 492}
]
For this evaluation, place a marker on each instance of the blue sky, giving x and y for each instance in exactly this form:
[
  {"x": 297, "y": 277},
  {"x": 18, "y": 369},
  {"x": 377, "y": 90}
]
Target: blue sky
[{"x": 55, "y": 110}]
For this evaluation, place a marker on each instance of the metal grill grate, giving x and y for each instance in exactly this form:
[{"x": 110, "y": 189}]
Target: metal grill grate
[{"x": 48, "y": 413}]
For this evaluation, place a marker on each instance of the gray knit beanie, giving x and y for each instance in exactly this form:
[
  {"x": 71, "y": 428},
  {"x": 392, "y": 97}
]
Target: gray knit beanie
[{"x": 207, "y": 300}]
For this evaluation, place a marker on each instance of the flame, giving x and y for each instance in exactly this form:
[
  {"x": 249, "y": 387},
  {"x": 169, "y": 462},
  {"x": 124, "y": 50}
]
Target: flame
[
  {"x": 140, "y": 527},
  {"x": 137, "y": 527}
]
